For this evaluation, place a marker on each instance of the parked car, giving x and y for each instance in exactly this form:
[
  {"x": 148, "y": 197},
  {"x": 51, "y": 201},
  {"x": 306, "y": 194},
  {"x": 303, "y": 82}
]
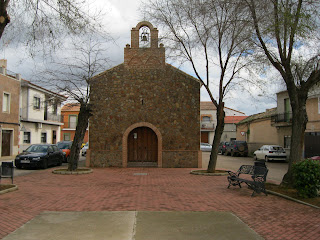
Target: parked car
[
  {"x": 222, "y": 147},
  {"x": 84, "y": 149},
  {"x": 39, "y": 156},
  {"x": 270, "y": 152},
  {"x": 206, "y": 147},
  {"x": 65, "y": 146},
  {"x": 237, "y": 148}
]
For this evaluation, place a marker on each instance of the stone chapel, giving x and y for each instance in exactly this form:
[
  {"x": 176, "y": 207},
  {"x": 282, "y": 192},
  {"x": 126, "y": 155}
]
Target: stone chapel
[{"x": 145, "y": 111}]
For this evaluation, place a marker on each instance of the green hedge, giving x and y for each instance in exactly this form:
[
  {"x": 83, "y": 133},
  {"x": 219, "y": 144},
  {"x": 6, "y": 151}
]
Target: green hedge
[{"x": 307, "y": 178}]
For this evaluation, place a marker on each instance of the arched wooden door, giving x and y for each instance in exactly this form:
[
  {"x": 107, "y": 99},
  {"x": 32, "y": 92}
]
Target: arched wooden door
[{"x": 142, "y": 147}]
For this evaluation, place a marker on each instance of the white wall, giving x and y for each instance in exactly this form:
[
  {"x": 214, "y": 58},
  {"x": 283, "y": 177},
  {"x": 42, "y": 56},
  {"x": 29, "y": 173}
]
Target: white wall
[{"x": 36, "y": 133}]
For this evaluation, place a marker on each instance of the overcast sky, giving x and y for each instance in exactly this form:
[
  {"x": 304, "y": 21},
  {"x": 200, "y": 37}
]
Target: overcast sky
[{"x": 122, "y": 16}]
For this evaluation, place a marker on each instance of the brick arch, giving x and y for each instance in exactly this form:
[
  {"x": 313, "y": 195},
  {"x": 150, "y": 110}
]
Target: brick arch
[
  {"x": 125, "y": 141},
  {"x": 144, "y": 24}
]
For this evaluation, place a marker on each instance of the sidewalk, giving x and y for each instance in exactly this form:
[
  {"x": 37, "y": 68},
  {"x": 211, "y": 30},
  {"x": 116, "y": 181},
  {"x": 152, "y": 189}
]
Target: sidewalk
[{"x": 150, "y": 191}]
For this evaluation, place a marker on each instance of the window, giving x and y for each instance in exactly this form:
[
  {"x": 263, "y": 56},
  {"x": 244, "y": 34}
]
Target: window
[
  {"x": 36, "y": 103},
  {"x": 50, "y": 149},
  {"x": 206, "y": 119},
  {"x": 66, "y": 137},
  {"x": 6, "y": 103},
  {"x": 55, "y": 148},
  {"x": 287, "y": 141},
  {"x": 72, "y": 121},
  {"x": 43, "y": 137},
  {"x": 26, "y": 137}
]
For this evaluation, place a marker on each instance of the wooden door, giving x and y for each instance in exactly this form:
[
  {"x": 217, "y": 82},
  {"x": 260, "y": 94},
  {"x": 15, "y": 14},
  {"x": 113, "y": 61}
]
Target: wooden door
[
  {"x": 205, "y": 137},
  {"x": 142, "y": 145},
  {"x": 6, "y": 143}
]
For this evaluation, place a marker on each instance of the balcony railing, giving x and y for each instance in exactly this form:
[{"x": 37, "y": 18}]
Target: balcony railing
[
  {"x": 207, "y": 125},
  {"x": 282, "y": 118},
  {"x": 53, "y": 117}
]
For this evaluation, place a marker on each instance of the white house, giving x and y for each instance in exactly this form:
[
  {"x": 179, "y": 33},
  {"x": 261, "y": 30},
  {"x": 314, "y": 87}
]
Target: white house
[{"x": 40, "y": 115}]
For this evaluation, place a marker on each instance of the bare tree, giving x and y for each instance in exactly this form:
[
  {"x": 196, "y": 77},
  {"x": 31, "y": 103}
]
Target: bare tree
[
  {"x": 43, "y": 25},
  {"x": 209, "y": 33},
  {"x": 282, "y": 27},
  {"x": 71, "y": 75}
]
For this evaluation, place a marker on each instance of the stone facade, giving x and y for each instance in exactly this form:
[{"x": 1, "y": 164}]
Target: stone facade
[{"x": 144, "y": 91}]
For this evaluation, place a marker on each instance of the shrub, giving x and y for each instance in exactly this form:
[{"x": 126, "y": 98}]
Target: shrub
[{"x": 307, "y": 178}]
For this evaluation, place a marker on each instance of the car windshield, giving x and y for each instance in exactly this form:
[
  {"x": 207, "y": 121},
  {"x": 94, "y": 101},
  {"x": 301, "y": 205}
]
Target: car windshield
[
  {"x": 37, "y": 148},
  {"x": 64, "y": 145},
  {"x": 276, "y": 148}
]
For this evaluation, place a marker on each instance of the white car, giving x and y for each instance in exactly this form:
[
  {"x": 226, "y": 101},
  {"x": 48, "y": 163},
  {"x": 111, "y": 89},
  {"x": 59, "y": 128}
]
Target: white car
[
  {"x": 206, "y": 147},
  {"x": 270, "y": 152},
  {"x": 84, "y": 149}
]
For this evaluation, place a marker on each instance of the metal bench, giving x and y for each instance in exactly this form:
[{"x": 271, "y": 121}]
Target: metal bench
[
  {"x": 256, "y": 178},
  {"x": 6, "y": 170}
]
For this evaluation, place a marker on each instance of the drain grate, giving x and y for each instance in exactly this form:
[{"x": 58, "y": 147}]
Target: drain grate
[{"x": 140, "y": 174}]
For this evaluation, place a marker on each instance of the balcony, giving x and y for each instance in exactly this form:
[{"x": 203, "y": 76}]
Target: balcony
[
  {"x": 282, "y": 119},
  {"x": 53, "y": 117},
  {"x": 207, "y": 125}
]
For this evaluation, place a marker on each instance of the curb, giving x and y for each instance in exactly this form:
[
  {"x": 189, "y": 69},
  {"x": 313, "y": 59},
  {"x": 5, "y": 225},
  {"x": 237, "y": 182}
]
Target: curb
[
  {"x": 291, "y": 199},
  {"x": 15, "y": 187},
  {"x": 65, "y": 172},
  {"x": 196, "y": 172}
]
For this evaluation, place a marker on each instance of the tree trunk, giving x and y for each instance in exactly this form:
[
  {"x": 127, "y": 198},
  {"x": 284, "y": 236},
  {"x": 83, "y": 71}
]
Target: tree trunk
[
  {"x": 4, "y": 17},
  {"x": 83, "y": 119},
  {"x": 217, "y": 137},
  {"x": 299, "y": 123}
]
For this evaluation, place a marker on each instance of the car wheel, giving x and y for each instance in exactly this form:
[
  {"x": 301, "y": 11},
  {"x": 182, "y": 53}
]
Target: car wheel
[
  {"x": 255, "y": 158},
  {"x": 18, "y": 166},
  {"x": 266, "y": 158},
  {"x": 44, "y": 164}
]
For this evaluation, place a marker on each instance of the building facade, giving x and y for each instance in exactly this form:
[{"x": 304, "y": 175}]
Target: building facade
[
  {"x": 70, "y": 112},
  {"x": 257, "y": 130},
  {"x": 282, "y": 121},
  {"x": 274, "y": 125},
  {"x": 208, "y": 116},
  {"x": 145, "y": 112},
  {"x": 9, "y": 111},
  {"x": 40, "y": 115}
]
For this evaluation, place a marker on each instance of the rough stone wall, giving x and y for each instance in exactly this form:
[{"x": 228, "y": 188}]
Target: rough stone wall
[{"x": 165, "y": 97}]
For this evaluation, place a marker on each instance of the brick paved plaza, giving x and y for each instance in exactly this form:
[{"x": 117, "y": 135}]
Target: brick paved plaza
[{"x": 117, "y": 189}]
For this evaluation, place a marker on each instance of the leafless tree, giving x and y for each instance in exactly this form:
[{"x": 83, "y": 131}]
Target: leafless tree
[
  {"x": 210, "y": 35},
  {"x": 281, "y": 29},
  {"x": 42, "y": 25},
  {"x": 70, "y": 74}
]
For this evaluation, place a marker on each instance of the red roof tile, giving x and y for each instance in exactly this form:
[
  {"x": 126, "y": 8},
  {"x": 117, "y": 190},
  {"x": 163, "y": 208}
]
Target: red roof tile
[
  {"x": 234, "y": 119},
  {"x": 74, "y": 107}
]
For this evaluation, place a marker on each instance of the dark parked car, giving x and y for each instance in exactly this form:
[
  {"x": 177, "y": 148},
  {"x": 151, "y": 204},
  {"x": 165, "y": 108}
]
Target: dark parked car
[
  {"x": 39, "y": 156},
  {"x": 222, "y": 147},
  {"x": 237, "y": 148}
]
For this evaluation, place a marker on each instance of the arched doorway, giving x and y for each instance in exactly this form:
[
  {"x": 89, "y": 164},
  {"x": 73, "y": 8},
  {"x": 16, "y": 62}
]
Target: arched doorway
[{"x": 142, "y": 148}]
